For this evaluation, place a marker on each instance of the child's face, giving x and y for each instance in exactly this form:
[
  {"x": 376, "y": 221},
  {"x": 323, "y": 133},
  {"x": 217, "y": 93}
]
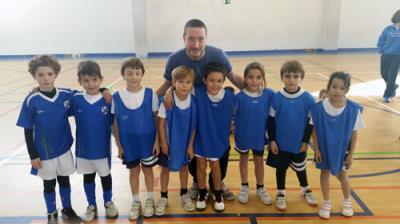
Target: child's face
[
  {"x": 183, "y": 87},
  {"x": 214, "y": 82},
  {"x": 45, "y": 77},
  {"x": 292, "y": 81},
  {"x": 133, "y": 76},
  {"x": 337, "y": 90},
  {"x": 91, "y": 83},
  {"x": 323, "y": 96},
  {"x": 254, "y": 80}
]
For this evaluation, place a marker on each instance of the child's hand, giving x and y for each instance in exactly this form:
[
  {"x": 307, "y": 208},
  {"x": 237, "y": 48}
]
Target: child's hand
[
  {"x": 169, "y": 99},
  {"x": 36, "y": 163},
  {"x": 121, "y": 153},
  {"x": 164, "y": 148},
  {"x": 190, "y": 153},
  {"x": 349, "y": 161},
  {"x": 304, "y": 147},
  {"x": 274, "y": 148},
  {"x": 156, "y": 148},
  {"x": 317, "y": 156},
  {"x": 107, "y": 96}
]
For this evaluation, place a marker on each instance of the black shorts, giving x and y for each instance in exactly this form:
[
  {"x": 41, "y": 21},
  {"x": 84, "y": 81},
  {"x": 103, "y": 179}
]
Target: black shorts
[
  {"x": 297, "y": 161},
  {"x": 148, "y": 162},
  {"x": 246, "y": 151}
]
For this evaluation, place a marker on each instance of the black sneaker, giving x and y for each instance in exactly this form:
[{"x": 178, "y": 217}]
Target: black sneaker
[
  {"x": 52, "y": 218},
  {"x": 70, "y": 216}
]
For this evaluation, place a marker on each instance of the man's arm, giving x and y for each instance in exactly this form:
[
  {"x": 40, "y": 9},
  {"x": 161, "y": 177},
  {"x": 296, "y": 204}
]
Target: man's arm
[
  {"x": 236, "y": 79},
  {"x": 163, "y": 88}
]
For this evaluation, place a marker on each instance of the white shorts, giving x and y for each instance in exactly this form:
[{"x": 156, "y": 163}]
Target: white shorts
[
  {"x": 99, "y": 166},
  {"x": 208, "y": 159},
  {"x": 62, "y": 165}
]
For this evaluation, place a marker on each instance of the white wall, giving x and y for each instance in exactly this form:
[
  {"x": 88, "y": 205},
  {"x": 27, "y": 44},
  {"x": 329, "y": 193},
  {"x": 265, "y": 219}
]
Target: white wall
[
  {"x": 126, "y": 26},
  {"x": 66, "y": 26},
  {"x": 362, "y": 21}
]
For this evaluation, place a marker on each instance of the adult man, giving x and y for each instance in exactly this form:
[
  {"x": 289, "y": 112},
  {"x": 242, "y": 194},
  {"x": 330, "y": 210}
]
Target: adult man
[{"x": 197, "y": 54}]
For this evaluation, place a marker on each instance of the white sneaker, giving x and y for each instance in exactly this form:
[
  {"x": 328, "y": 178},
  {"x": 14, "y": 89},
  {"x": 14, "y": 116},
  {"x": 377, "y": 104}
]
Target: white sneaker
[
  {"x": 201, "y": 205},
  {"x": 148, "y": 208},
  {"x": 264, "y": 196},
  {"x": 325, "y": 211},
  {"x": 310, "y": 198},
  {"x": 161, "y": 206},
  {"x": 187, "y": 203},
  {"x": 243, "y": 196},
  {"x": 194, "y": 191},
  {"x": 281, "y": 202},
  {"x": 226, "y": 193},
  {"x": 90, "y": 214},
  {"x": 135, "y": 211},
  {"x": 219, "y": 206},
  {"x": 111, "y": 210},
  {"x": 347, "y": 209}
]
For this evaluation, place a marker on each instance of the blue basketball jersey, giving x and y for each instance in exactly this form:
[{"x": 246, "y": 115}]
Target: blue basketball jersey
[
  {"x": 334, "y": 134},
  {"x": 213, "y": 124},
  {"x": 48, "y": 117},
  {"x": 137, "y": 129},
  {"x": 181, "y": 125},
  {"x": 291, "y": 116},
  {"x": 93, "y": 127}
]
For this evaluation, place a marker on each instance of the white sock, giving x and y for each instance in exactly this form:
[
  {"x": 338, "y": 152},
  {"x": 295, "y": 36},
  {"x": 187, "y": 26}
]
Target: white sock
[
  {"x": 135, "y": 197},
  {"x": 282, "y": 191},
  {"x": 149, "y": 194},
  {"x": 304, "y": 189}
]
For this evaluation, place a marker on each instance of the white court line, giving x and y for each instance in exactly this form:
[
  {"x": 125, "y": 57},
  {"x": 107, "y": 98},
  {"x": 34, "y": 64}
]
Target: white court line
[
  {"x": 4, "y": 161},
  {"x": 367, "y": 97},
  {"x": 113, "y": 83}
]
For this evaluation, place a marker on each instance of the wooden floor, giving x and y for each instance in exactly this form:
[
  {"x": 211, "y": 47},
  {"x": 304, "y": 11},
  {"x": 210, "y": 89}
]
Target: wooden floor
[{"x": 375, "y": 175}]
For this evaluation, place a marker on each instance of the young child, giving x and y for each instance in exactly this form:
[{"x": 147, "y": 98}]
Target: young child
[
  {"x": 323, "y": 94},
  {"x": 289, "y": 132},
  {"x": 336, "y": 121},
  {"x": 93, "y": 132},
  {"x": 215, "y": 108},
  {"x": 177, "y": 131},
  {"x": 252, "y": 105},
  {"x": 135, "y": 123},
  {"x": 44, "y": 117}
]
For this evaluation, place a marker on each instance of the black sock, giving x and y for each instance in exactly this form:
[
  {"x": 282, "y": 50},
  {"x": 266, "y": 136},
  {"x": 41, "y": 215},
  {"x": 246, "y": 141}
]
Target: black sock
[
  {"x": 218, "y": 195},
  {"x": 202, "y": 194},
  {"x": 245, "y": 184},
  {"x": 164, "y": 194},
  {"x": 183, "y": 191},
  {"x": 260, "y": 186}
]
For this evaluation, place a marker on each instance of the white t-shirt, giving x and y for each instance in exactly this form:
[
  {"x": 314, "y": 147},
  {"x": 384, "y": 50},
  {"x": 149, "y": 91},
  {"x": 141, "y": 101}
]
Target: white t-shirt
[
  {"x": 134, "y": 100},
  {"x": 181, "y": 104},
  {"x": 92, "y": 98},
  {"x": 333, "y": 111}
]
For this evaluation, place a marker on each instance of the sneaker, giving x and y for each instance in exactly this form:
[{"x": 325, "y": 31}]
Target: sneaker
[
  {"x": 227, "y": 194},
  {"x": 347, "y": 209},
  {"x": 310, "y": 198},
  {"x": 111, "y": 210},
  {"x": 281, "y": 202},
  {"x": 264, "y": 196},
  {"x": 194, "y": 191},
  {"x": 68, "y": 214},
  {"x": 90, "y": 214},
  {"x": 219, "y": 206},
  {"x": 201, "y": 205},
  {"x": 162, "y": 204},
  {"x": 243, "y": 196},
  {"x": 387, "y": 99},
  {"x": 325, "y": 211},
  {"x": 135, "y": 211},
  {"x": 187, "y": 203},
  {"x": 52, "y": 218},
  {"x": 148, "y": 208}
]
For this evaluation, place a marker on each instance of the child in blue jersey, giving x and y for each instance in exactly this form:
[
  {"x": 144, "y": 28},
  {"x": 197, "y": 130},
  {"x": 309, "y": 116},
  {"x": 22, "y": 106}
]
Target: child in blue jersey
[
  {"x": 336, "y": 121},
  {"x": 389, "y": 47},
  {"x": 215, "y": 108},
  {"x": 252, "y": 106},
  {"x": 289, "y": 132},
  {"x": 177, "y": 130},
  {"x": 93, "y": 132},
  {"x": 44, "y": 116},
  {"x": 135, "y": 121}
]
